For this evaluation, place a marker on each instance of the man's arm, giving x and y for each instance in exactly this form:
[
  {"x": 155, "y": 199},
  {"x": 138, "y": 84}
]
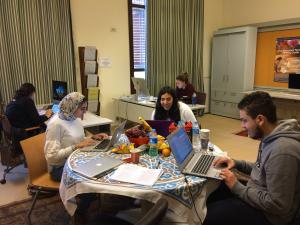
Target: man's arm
[
  {"x": 243, "y": 166},
  {"x": 277, "y": 197}
]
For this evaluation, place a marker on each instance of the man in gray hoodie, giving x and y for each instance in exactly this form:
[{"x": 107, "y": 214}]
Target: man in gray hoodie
[{"x": 272, "y": 194}]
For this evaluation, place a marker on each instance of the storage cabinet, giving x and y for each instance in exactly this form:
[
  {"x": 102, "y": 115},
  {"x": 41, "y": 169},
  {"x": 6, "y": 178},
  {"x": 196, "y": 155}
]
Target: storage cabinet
[{"x": 233, "y": 64}]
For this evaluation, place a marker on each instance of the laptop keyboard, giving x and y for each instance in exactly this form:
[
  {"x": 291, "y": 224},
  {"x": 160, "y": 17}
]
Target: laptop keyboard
[
  {"x": 103, "y": 144},
  {"x": 203, "y": 164}
]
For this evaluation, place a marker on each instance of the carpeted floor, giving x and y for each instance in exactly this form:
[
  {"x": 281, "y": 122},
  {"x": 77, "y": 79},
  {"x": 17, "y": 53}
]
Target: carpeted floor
[
  {"x": 51, "y": 211},
  {"x": 47, "y": 211}
]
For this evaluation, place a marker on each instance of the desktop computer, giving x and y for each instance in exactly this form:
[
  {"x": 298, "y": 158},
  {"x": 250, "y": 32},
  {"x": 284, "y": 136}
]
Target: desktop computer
[
  {"x": 294, "y": 82},
  {"x": 59, "y": 90},
  {"x": 140, "y": 86}
]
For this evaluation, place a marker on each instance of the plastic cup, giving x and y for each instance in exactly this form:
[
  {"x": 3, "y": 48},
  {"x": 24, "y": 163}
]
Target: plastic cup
[{"x": 204, "y": 138}]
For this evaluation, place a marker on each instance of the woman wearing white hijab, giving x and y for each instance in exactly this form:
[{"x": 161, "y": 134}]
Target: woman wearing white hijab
[{"x": 65, "y": 133}]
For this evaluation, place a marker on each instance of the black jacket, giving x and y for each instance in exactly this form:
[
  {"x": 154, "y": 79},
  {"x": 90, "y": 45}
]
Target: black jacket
[{"x": 22, "y": 113}]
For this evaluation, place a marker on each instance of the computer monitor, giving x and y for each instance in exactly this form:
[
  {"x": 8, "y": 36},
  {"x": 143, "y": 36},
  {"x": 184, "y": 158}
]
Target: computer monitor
[
  {"x": 294, "y": 81},
  {"x": 59, "y": 90},
  {"x": 140, "y": 86}
]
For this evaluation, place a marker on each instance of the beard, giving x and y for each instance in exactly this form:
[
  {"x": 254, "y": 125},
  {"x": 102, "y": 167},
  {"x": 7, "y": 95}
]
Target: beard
[{"x": 256, "y": 134}]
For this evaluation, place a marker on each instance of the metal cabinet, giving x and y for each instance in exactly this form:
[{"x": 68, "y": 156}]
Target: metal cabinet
[{"x": 233, "y": 64}]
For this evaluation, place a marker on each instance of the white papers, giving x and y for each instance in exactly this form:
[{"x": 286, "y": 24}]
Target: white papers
[
  {"x": 91, "y": 80},
  {"x": 90, "y": 53},
  {"x": 136, "y": 174},
  {"x": 90, "y": 67},
  {"x": 93, "y": 106}
]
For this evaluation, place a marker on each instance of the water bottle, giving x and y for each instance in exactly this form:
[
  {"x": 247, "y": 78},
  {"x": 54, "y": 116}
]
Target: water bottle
[
  {"x": 153, "y": 150},
  {"x": 196, "y": 137},
  {"x": 194, "y": 99}
]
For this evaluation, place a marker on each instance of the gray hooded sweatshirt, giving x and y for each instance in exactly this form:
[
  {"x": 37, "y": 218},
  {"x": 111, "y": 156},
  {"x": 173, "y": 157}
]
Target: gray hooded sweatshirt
[{"x": 274, "y": 185}]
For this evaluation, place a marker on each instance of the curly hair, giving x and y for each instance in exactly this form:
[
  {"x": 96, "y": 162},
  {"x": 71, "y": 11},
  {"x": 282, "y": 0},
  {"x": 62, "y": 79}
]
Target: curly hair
[{"x": 259, "y": 102}]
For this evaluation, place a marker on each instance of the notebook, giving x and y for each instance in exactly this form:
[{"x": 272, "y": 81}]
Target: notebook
[
  {"x": 97, "y": 167},
  {"x": 106, "y": 144},
  {"x": 189, "y": 162},
  {"x": 161, "y": 126}
]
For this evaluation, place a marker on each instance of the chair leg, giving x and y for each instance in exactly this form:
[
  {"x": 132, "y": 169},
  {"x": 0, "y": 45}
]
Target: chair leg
[
  {"x": 31, "y": 207},
  {"x": 6, "y": 171}
]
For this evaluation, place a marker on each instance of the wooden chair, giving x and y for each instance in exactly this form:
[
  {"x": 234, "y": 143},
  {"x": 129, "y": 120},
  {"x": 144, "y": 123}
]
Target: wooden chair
[{"x": 39, "y": 178}]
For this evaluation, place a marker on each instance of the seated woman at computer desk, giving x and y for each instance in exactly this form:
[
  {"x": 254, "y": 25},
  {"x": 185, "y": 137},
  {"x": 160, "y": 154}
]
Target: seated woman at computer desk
[
  {"x": 184, "y": 89},
  {"x": 65, "y": 133},
  {"x": 168, "y": 107},
  {"x": 22, "y": 112}
]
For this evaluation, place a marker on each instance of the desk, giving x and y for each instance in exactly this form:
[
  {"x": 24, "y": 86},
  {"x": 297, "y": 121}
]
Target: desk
[
  {"x": 170, "y": 186},
  {"x": 96, "y": 124},
  {"x": 128, "y": 108},
  {"x": 91, "y": 122}
]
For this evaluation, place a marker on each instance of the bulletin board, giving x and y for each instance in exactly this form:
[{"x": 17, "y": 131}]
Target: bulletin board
[{"x": 265, "y": 56}]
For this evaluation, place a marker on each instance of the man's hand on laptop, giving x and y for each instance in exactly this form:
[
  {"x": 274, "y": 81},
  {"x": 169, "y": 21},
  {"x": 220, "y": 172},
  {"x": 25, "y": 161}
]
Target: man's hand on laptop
[
  {"x": 100, "y": 136},
  {"x": 228, "y": 177},
  {"x": 221, "y": 161},
  {"x": 85, "y": 143}
]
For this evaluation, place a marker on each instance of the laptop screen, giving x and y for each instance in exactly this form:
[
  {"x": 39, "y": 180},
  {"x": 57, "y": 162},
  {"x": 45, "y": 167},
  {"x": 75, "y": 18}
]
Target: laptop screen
[
  {"x": 180, "y": 145},
  {"x": 161, "y": 126},
  {"x": 55, "y": 108}
]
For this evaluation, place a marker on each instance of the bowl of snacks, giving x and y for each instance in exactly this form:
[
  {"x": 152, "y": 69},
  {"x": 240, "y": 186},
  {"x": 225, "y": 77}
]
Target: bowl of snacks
[{"x": 137, "y": 135}]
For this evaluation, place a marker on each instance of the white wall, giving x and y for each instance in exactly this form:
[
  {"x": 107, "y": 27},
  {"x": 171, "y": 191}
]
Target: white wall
[
  {"x": 93, "y": 23},
  {"x": 242, "y": 12}
]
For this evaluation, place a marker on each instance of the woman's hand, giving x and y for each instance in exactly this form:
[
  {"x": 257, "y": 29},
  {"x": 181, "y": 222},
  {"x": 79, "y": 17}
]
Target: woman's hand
[
  {"x": 85, "y": 143},
  {"x": 219, "y": 161},
  {"x": 48, "y": 113},
  {"x": 99, "y": 136}
]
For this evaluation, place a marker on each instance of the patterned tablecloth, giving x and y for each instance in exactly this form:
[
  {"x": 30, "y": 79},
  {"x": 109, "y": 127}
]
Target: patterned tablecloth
[{"x": 171, "y": 186}]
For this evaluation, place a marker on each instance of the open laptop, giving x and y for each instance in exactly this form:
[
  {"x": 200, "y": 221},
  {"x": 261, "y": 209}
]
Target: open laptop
[
  {"x": 161, "y": 126},
  {"x": 106, "y": 144},
  {"x": 55, "y": 108},
  {"x": 97, "y": 167},
  {"x": 189, "y": 162}
]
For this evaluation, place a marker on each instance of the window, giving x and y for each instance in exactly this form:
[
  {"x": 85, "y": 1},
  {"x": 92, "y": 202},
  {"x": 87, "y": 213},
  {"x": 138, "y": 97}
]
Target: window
[{"x": 137, "y": 38}]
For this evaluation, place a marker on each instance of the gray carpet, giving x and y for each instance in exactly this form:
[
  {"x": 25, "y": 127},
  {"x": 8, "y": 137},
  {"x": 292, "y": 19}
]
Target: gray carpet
[{"x": 51, "y": 211}]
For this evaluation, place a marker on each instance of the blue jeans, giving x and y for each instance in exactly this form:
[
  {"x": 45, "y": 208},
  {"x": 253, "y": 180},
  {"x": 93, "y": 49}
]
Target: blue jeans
[{"x": 223, "y": 208}]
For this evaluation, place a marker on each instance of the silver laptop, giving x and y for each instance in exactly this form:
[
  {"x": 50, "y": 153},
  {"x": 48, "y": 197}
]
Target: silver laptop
[
  {"x": 106, "y": 144},
  {"x": 189, "y": 162},
  {"x": 97, "y": 167}
]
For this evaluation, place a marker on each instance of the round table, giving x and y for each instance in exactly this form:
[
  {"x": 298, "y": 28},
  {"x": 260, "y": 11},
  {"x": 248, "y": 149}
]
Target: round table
[{"x": 171, "y": 185}]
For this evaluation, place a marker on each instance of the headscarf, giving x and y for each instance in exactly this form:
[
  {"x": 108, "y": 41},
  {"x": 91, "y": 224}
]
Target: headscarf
[{"x": 69, "y": 104}]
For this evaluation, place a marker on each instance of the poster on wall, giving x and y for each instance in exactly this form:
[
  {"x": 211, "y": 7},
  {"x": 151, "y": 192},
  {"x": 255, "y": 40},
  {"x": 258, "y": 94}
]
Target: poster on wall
[{"x": 287, "y": 58}]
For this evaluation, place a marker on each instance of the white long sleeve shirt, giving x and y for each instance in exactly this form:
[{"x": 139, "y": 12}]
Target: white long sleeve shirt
[
  {"x": 186, "y": 114},
  {"x": 61, "y": 136}
]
